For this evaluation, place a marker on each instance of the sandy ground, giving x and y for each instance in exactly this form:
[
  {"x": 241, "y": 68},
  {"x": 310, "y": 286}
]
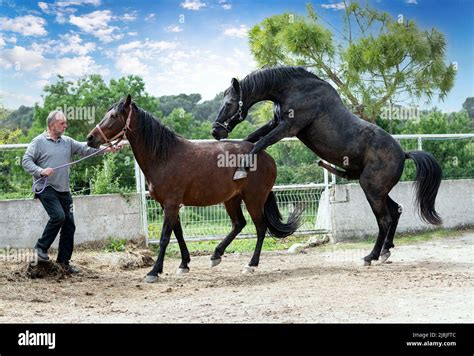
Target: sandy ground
[{"x": 426, "y": 282}]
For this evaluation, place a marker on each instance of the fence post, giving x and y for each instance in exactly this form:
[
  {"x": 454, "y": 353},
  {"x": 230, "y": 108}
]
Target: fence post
[
  {"x": 140, "y": 186},
  {"x": 420, "y": 143}
]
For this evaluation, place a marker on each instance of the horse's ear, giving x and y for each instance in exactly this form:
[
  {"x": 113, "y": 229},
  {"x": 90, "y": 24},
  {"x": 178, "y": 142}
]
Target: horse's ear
[
  {"x": 235, "y": 85},
  {"x": 128, "y": 101}
]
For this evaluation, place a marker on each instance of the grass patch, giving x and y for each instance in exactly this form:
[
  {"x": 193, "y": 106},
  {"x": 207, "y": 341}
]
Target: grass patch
[
  {"x": 272, "y": 244},
  {"x": 237, "y": 246},
  {"x": 115, "y": 245}
]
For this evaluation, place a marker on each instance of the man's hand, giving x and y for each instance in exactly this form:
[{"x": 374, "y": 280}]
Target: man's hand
[
  {"x": 47, "y": 172},
  {"x": 114, "y": 148}
]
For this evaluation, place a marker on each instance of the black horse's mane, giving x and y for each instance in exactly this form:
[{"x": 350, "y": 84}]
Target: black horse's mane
[
  {"x": 157, "y": 138},
  {"x": 273, "y": 77}
]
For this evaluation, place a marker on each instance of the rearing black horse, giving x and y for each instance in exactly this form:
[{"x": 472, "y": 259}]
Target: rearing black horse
[{"x": 309, "y": 108}]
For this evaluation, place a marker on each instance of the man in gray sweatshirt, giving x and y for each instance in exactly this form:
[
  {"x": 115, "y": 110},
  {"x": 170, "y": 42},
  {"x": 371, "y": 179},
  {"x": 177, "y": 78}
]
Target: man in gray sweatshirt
[{"x": 52, "y": 149}]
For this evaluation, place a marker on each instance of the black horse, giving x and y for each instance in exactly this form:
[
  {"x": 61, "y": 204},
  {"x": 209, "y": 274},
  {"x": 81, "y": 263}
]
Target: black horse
[{"x": 309, "y": 108}]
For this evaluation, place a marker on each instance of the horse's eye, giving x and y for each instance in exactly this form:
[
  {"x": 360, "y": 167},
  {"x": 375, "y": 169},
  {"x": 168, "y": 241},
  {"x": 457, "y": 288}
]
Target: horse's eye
[{"x": 228, "y": 104}]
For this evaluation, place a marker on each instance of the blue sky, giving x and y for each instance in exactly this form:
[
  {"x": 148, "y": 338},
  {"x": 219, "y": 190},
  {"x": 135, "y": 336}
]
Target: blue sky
[{"x": 183, "y": 46}]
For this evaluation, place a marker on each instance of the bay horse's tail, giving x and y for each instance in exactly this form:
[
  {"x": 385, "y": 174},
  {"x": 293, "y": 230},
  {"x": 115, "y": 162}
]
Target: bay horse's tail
[
  {"x": 273, "y": 219},
  {"x": 427, "y": 181}
]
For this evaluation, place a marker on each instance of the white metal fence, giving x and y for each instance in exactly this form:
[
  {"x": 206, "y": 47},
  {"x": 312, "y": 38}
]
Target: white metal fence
[{"x": 454, "y": 151}]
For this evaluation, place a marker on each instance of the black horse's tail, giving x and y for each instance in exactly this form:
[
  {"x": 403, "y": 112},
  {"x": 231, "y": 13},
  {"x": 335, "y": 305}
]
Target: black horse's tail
[
  {"x": 273, "y": 219},
  {"x": 427, "y": 181}
]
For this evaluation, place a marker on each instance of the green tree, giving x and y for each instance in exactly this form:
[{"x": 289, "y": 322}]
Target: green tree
[{"x": 379, "y": 60}]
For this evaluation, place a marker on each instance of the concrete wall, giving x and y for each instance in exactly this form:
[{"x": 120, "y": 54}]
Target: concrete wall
[
  {"x": 347, "y": 212},
  {"x": 96, "y": 218},
  {"x": 351, "y": 217}
]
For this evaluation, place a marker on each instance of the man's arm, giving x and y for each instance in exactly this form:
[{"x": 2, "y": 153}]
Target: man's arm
[
  {"x": 81, "y": 149},
  {"x": 29, "y": 158}
]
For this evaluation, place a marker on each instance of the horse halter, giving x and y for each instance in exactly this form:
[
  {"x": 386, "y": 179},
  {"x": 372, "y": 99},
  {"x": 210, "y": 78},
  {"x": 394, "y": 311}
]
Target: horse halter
[
  {"x": 120, "y": 135},
  {"x": 226, "y": 123}
]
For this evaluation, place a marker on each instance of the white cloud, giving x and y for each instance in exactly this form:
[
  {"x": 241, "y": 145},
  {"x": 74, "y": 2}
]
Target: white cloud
[
  {"x": 240, "y": 31},
  {"x": 132, "y": 16},
  {"x": 21, "y": 59},
  {"x": 28, "y": 25},
  {"x": 14, "y": 100},
  {"x": 43, "y": 6},
  {"x": 208, "y": 72},
  {"x": 77, "y": 2},
  {"x": 40, "y": 84},
  {"x": 63, "y": 9},
  {"x": 145, "y": 48},
  {"x": 72, "y": 43},
  {"x": 150, "y": 17},
  {"x": 414, "y": 2},
  {"x": 130, "y": 65},
  {"x": 73, "y": 67},
  {"x": 173, "y": 28},
  {"x": 32, "y": 60},
  {"x": 193, "y": 5},
  {"x": 225, "y": 5},
  {"x": 335, "y": 7},
  {"x": 97, "y": 24},
  {"x": 137, "y": 57}
]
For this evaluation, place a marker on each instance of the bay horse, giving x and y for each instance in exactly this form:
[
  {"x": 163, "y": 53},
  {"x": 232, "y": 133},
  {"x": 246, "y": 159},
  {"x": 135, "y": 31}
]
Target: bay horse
[
  {"x": 309, "y": 108},
  {"x": 180, "y": 172}
]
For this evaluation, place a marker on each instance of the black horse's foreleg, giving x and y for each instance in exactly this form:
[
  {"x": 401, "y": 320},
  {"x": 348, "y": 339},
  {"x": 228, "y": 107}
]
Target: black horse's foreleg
[
  {"x": 171, "y": 217},
  {"x": 262, "y": 131},
  {"x": 185, "y": 258},
  {"x": 278, "y": 133}
]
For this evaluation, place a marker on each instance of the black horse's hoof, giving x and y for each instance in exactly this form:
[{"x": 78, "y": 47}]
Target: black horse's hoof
[
  {"x": 151, "y": 278},
  {"x": 240, "y": 174},
  {"x": 182, "y": 270},
  {"x": 215, "y": 262},
  {"x": 384, "y": 256}
]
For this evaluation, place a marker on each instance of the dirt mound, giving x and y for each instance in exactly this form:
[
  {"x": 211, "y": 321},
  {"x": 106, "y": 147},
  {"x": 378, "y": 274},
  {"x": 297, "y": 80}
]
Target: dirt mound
[
  {"x": 128, "y": 260},
  {"x": 47, "y": 269}
]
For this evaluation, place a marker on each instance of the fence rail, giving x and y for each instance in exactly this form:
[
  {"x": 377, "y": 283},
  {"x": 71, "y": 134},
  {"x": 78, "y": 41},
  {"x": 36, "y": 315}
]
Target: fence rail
[{"x": 455, "y": 152}]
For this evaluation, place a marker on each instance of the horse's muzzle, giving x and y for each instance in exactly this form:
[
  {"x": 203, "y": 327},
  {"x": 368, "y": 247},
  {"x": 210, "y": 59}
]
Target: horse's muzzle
[
  {"x": 219, "y": 133},
  {"x": 92, "y": 141}
]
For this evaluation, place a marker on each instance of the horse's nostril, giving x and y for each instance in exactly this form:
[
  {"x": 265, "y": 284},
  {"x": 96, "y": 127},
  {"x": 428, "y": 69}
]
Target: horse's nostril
[{"x": 89, "y": 138}]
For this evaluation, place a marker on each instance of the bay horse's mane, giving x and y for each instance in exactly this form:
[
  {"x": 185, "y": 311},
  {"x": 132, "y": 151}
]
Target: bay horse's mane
[
  {"x": 157, "y": 138},
  {"x": 269, "y": 78}
]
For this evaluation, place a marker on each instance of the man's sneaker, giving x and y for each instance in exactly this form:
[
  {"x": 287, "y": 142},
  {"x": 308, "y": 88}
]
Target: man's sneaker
[
  {"x": 42, "y": 255},
  {"x": 69, "y": 268}
]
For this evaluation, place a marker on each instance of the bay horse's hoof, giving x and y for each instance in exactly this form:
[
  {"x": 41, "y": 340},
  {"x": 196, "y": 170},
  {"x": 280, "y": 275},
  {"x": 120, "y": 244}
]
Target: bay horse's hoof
[
  {"x": 182, "y": 271},
  {"x": 215, "y": 262},
  {"x": 151, "y": 279},
  {"x": 240, "y": 174},
  {"x": 249, "y": 269},
  {"x": 384, "y": 257},
  {"x": 367, "y": 263}
]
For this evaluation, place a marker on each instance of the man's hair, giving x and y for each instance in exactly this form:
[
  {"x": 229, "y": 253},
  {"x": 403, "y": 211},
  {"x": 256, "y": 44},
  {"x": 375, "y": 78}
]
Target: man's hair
[{"x": 52, "y": 117}]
